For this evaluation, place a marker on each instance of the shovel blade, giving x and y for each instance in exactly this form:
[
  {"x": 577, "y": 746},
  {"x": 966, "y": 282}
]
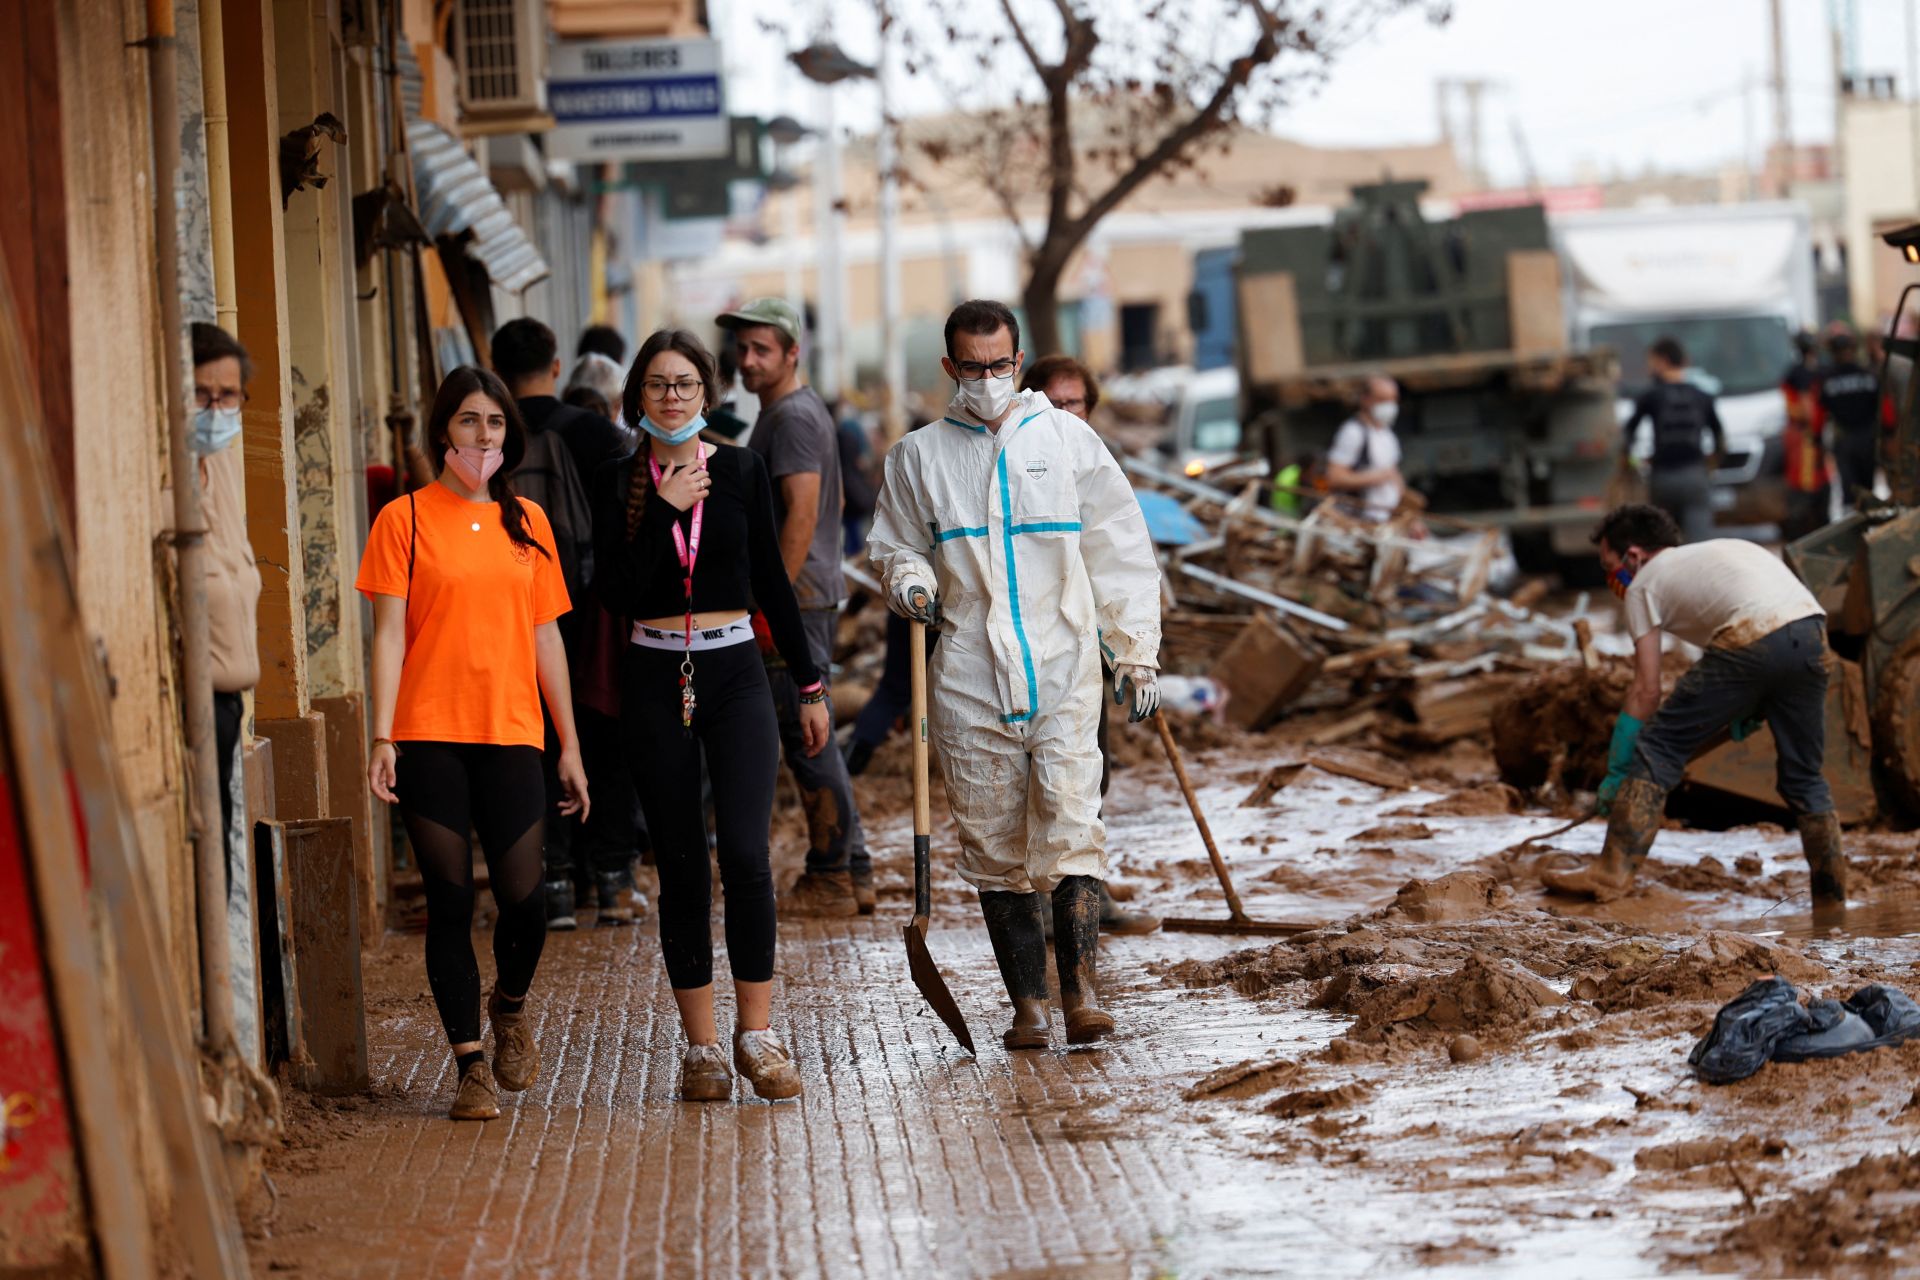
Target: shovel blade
[{"x": 926, "y": 976}]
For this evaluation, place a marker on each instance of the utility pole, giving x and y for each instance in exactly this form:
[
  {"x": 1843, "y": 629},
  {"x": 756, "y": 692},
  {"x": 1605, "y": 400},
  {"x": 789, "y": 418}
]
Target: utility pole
[{"x": 1781, "y": 168}]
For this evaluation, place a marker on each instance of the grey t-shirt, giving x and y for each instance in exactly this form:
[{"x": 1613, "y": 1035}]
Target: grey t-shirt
[{"x": 794, "y": 435}]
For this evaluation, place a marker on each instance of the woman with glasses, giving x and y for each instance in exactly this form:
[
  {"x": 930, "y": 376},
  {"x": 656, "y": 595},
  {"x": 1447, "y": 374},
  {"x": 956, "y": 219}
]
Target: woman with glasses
[
  {"x": 685, "y": 543},
  {"x": 1067, "y": 384}
]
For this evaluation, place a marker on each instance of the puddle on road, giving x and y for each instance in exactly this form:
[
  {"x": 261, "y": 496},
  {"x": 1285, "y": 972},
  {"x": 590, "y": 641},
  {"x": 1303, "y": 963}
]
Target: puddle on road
[{"x": 1895, "y": 918}]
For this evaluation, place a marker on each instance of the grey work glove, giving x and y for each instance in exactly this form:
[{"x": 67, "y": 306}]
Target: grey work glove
[
  {"x": 916, "y": 603},
  {"x": 1138, "y": 688}
]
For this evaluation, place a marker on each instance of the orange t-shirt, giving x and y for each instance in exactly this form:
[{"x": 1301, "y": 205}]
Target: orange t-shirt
[{"x": 469, "y": 673}]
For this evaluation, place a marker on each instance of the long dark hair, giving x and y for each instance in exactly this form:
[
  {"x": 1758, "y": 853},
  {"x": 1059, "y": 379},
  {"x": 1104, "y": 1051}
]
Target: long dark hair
[
  {"x": 686, "y": 344},
  {"x": 454, "y": 390}
]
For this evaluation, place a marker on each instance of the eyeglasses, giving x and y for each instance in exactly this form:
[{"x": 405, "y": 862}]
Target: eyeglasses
[
  {"x": 1078, "y": 408},
  {"x": 657, "y": 389},
  {"x": 971, "y": 371},
  {"x": 205, "y": 399}
]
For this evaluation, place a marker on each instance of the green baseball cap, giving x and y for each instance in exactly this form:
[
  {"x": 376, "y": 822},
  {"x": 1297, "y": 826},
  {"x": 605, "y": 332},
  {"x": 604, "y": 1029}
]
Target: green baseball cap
[{"x": 777, "y": 312}]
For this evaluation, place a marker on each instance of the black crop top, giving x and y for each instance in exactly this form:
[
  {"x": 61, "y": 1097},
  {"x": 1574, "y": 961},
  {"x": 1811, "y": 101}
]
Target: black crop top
[{"x": 739, "y": 566}]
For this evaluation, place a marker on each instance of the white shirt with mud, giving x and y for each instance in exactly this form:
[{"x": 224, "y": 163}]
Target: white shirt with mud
[
  {"x": 1723, "y": 593},
  {"x": 1362, "y": 446}
]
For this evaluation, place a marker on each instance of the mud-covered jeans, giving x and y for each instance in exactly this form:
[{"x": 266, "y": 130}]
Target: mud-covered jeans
[
  {"x": 1782, "y": 678},
  {"x": 835, "y": 841}
]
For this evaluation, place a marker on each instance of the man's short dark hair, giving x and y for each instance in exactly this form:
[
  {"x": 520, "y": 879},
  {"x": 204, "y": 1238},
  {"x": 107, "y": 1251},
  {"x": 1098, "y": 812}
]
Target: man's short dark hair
[
  {"x": 1636, "y": 525},
  {"x": 981, "y": 316},
  {"x": 1669, "y": 350},
  {"x": 211, "y": 342},
  {"x": 602, "y": 339},
  {"x": 523, "y": 348}
]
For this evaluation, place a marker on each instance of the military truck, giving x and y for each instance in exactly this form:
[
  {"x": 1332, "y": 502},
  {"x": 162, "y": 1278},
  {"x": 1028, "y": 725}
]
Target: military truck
[{"x": 1499, "y": 419}]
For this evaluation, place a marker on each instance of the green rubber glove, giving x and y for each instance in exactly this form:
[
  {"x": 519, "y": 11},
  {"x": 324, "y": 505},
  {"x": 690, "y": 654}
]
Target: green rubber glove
[
  {"x": 1747, "y": 726},
  {"x": 1626, "y": 732}
]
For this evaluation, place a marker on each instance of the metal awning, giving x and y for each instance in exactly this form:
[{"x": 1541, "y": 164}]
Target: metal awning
[{"x": 455, "y": 195}]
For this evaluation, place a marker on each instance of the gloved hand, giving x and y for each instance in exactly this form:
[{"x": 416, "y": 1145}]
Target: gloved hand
[
  {"x": 1747, "y": 726},
  {"x": 913, "y": 601},
  {"x": 1138, "y": 686},
  {"x": 1626, "y": 732}
]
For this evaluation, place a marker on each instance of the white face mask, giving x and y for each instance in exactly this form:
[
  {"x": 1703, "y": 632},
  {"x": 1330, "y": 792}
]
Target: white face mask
[
  {"x": 988, "y": 398},
  {"x": 1384, "y": 413}
]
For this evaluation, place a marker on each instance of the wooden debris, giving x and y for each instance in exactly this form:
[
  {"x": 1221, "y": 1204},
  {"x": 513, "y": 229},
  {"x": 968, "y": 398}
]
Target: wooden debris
[
  {"x": 1265, "y": 668},
  {"x": 1361, "y": 766}
]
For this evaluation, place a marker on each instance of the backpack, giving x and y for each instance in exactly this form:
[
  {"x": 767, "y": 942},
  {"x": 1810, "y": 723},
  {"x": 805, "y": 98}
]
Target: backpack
[{"x": 548, "y": 476}]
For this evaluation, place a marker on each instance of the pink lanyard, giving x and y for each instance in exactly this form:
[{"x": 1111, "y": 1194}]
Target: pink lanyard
[{"x": 687, "y": 548}]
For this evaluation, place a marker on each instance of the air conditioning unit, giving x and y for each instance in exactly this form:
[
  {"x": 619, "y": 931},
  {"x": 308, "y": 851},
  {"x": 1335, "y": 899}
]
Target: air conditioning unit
[{"x": 500, "y": 55}]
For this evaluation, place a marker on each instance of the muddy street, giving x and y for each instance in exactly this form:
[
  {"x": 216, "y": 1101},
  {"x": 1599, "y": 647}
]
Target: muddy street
[{"x": 1454, "y": 1074}]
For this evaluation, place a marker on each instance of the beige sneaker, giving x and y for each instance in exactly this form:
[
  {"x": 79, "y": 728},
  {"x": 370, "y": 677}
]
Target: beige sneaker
[
  {"x": 826, "y": 894},
  {"x": 764, "y": 1061},
  {"x": 864, "y": 896},
  {"x": 516, "y": 1058},
  {"x": 703, "y": 1074},
  {"x": 475, "y": 1099}
]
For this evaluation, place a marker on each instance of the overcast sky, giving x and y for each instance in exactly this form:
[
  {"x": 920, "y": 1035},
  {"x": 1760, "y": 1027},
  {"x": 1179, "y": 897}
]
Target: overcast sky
[{"x": 1594, "y": 88}]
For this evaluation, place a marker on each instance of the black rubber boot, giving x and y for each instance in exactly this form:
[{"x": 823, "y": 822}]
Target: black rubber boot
[
  {"x": 1826, "y": 861},
  {"x": 560, "y": 908},
  {"x": 1632, "y": 823},
  {"x": 1076, "y": 944},
  {"x": 1013, "y": 926},
  {"x": 617, "y": 905}
]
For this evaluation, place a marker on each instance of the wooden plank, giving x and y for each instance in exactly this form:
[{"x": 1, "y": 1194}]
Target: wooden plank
[
  {"x": 346, "y": 742},
  {"x": 324, "y": 936},
  {"x": 1263, "y": 670},
  {"x": 1534, "y": 311},
  {"x": 1270, "y": 327}
]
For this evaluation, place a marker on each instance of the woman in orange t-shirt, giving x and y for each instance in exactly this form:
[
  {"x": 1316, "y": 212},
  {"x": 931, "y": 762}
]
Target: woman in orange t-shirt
[{"x": 465, "y": 590}]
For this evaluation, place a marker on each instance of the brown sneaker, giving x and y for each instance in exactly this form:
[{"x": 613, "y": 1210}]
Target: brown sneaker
[
  {"x": 826, "y": 894},
  {"x": 764, "y": 1061},
  {"x": 703, "y": 1074},
  {"x": 516, "y": 1058},
  {"x": 863, "y": 895},
  {"x": 475, "y": 1099}
]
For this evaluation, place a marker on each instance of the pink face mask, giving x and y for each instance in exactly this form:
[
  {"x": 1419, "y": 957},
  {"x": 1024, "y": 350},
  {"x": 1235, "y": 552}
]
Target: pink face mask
[{"x": 474, "y": 465}]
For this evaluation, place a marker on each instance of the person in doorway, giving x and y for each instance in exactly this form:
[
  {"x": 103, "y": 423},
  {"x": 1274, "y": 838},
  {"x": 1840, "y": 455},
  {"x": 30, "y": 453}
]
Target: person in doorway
[
  {"x": 1850, "y": 400},
  {"x": 795, "y": 437},
  {"x": 467, "y": 593},
  {"x": 221, "y": 370},
  {"x": 602, "y": 340},
  {"x": 1682, "y": 415},
  {"x": 686, "y": 542},
  {"x": 1070, "y": 387},
  {"x": 564, "y": 446},
  {"x": 1363, "y": 462},
  {"x": 1010, "y": 527},
  {"x": 1808, "y": 466},
  {"x": 1765, "y": 638}
]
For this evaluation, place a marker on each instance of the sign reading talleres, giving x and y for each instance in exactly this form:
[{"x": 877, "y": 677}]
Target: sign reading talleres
[{"x": 636, "y": 100}]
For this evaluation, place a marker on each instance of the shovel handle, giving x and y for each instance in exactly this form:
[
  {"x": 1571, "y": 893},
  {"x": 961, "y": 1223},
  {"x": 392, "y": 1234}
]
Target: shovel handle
[
  {"x": 922, "y": 805},
  {"x": 1234, "y": 909}
]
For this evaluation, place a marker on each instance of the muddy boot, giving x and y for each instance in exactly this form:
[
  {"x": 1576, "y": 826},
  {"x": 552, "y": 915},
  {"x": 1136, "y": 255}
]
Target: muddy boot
[
  {"x": 1076, "y": 943},
  {"x": 703, "y": 1074},
  {"x": 475, "y": 1099},
  {"x": 620, "y": 903},
  {"x": 1013, "y": 926},
  {"x": 1117, "y": 919},
  {"x": 1632, "y": 823},
  {"x": 516, "y": 1058},
  {"x": 560, "y": 908},
  {"x": 765, "y": 1062},
  {"x": 825, "y": 894},
  {"x": 864, "y": 897},
  {"x": 1826, "y": 861}
]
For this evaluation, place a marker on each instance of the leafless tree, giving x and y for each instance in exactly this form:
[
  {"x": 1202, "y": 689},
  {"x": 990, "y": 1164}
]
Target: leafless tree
[{"x": 1084, "y": 101}]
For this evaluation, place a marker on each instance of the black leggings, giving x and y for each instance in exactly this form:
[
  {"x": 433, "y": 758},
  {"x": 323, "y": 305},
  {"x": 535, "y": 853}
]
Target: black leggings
[
  {"x": 446, "y": 790},
  {"x": 733, "y": 720}
]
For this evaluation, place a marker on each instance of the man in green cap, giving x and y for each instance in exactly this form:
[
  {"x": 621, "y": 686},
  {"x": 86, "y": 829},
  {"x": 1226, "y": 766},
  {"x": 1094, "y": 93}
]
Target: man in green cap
[{"x": 796, "y": 437}]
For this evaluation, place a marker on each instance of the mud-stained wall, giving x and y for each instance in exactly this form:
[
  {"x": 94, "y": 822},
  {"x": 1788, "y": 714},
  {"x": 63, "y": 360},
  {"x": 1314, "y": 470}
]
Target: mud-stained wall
[{"x": 190, "y": 185}]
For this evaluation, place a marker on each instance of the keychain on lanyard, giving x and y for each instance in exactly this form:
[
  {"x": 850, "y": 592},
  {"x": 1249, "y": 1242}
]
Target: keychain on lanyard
[{"x": 687, "y": 548}]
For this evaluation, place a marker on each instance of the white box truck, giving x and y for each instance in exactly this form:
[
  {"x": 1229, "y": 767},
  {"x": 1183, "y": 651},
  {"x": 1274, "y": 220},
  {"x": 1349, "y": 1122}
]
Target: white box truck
[{"x": 1732, "y": 282}]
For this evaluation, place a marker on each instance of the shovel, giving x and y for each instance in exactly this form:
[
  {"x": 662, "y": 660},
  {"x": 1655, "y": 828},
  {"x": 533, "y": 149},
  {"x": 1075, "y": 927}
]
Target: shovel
[
  {"x": 1237, "y": 920},
  {"x": 926, "y": 974}
]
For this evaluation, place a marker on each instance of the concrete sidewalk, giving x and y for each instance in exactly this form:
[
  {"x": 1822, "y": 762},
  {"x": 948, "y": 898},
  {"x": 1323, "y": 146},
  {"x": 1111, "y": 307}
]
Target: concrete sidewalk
[{"x": 905, "y": 1157}]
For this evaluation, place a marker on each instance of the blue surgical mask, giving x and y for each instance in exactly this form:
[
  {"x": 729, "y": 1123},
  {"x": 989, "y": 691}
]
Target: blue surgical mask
[
  {"x": 214, "y": 429},
  {"x": 693, "y": 428},
  {"x": 1619, "y": 580}
]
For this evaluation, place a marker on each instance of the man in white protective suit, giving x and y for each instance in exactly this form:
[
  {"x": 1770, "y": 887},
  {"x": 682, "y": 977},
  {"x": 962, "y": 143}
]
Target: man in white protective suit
[{"x": 1009, "y": 526}]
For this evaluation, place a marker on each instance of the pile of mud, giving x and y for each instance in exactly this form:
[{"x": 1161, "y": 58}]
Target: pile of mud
[
  {"x": 1864, "y": 1219},
  {"x": 1556, "y": 727},
  {"x": 1715, "y": 969},
  {"x": 1485, "y": 996}
]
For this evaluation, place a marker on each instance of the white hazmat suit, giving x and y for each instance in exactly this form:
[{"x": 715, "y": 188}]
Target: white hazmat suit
[{"x": 1033, "y": 542}]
